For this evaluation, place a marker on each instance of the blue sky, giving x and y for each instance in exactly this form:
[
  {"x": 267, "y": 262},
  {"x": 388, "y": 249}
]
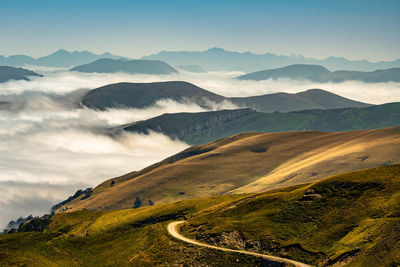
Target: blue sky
[{"x": 355, "y": 29}]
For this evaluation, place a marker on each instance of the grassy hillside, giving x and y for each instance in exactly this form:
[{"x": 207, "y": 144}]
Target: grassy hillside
[
  {"x": 246, "y": 163},
  {"x": 135, "y": 237},
  {"x": 200, "y": 128},
  {"x": 108, "y": 65},
  {"x": 351, "y": 219}
]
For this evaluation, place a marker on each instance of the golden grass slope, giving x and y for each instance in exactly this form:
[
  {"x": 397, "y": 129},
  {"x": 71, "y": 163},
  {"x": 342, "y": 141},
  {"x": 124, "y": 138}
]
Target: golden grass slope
[{"x": 246, "y": 163}]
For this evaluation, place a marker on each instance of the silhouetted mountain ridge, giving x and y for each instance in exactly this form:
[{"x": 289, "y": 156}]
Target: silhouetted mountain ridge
[
  {"x": 108, "y": 65},
  {"x": 318, "y": 73},
  {"x": 10, "y": 73},
  {"x": 217, "y": 59},
  {"x": 60, "y": 58}
]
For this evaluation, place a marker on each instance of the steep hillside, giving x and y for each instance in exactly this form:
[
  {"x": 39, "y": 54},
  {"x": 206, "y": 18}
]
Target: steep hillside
[
  {"x": 139, "y": 95},
  {"x": 108, "y": 65},
  {"x": 351, "y": 219},
  {"x": 246, "y": 163},
  {"x": 285, "y": 102},
  {"x": 200, "y": 128},
  {"x": 10, "y": 73},
  {"x": 320, "y": 74}
]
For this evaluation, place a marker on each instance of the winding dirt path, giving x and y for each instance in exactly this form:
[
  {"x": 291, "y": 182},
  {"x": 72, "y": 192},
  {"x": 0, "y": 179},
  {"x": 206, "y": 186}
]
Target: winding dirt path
[{"x": 173, "y": 230}]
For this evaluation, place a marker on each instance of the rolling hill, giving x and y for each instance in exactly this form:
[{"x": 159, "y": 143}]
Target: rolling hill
[
  {"x": 217, "y": 59},
  {"x": 246, "y": 163},
  {"x": 108, "y": 65},
  {"x": 203, "y": 127},
  {"x": 350, "y": 219},
  {"x": 10, "y": 73},
  {"x": 286, "y": 102},
  {"x": 320, "y": 74},
  {"x": 138, "y": 95}
]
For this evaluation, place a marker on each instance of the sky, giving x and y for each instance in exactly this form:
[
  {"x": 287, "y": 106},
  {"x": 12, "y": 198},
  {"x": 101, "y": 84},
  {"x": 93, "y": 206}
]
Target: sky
[{"x": 355, "y": 29}]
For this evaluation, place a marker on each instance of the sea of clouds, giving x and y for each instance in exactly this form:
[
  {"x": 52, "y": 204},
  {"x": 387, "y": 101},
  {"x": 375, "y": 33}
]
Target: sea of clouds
[{"x": 50, "y": 145}]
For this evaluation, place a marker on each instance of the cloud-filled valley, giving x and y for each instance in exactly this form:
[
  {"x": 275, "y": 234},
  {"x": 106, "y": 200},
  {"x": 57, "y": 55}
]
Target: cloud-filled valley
[{"x": 51, "y": 146}]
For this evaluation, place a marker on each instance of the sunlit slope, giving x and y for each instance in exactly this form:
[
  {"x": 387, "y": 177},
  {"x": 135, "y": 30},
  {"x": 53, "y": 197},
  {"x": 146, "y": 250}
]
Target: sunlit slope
[
  {"x": 135, "y": 237},
  {"x": 351, "y": 219},
  {"x": 246, "y": 163}
]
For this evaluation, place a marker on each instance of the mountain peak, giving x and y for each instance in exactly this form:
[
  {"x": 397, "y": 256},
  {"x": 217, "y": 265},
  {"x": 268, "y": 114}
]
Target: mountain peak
[
  {"x": 216, "y": 49},
  {"x": 61, "y": 51}
]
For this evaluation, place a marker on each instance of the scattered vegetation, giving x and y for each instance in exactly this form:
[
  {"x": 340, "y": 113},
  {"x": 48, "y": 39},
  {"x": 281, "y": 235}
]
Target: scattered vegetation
[{"x": 82, "y": 194}]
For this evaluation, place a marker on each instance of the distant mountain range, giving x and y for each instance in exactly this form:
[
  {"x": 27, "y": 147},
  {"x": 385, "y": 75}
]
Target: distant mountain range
[
  {"x": 318, "y": 73},
  {"x": 203, "y": 127},
  {"x": 108, "y": 65},
  {"x": 139, "y": 95},
  {"x": 213, "y": 59},
  {"x": 10, "y": 73},
  {"x": 218, "y": 59},
  {"x": 61, "y": 58}
]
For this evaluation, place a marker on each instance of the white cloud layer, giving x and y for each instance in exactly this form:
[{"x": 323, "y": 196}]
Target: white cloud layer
[
  {"x": 49, "y": 148},
  {"x": 62, "y": 82}
]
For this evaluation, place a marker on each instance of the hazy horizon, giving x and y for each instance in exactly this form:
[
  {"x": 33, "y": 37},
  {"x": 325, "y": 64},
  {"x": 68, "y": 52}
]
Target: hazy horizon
[
  {"x": 314, "y": 29},
  {"x": 294, "y": 55}
]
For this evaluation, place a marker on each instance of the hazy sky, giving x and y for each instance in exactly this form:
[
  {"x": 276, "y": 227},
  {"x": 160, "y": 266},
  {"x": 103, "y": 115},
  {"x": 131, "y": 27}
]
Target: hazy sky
[{"x": 314, "y": 28}]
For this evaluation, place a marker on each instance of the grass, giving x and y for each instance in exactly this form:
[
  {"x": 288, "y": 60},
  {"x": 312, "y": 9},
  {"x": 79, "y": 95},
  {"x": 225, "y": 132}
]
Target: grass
[
  {"x": 247, "y": 163},
  {"x": 352, "y": 219},
  {"x": 115, "y": 238},
  {"x": 356, "y": 216}
]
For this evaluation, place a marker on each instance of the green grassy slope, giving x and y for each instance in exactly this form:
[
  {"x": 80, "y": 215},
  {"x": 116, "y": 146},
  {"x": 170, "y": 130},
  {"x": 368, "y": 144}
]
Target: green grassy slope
[
  {"x": 200, "y": 128},
  {"x": 352, "y": 218},
  {"x": 117, "y": 238}
]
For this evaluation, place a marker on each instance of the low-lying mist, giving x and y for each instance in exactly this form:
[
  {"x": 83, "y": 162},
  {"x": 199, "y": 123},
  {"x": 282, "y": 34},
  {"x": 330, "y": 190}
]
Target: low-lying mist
[
  {"x": 50, "y": 146},
  {"x": 223, "y": 83}
]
